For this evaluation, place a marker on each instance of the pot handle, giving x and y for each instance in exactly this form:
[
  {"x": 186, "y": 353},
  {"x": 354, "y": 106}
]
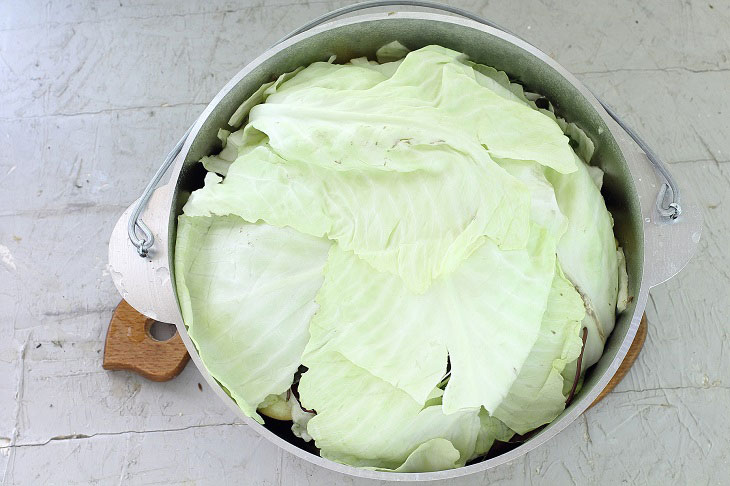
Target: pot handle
[
  {"x": 134, "y": 221},
  {"x": 669, "y": 243},
  {"x": 667, "y": 201},
  {"x": 145, "y": 282},
  {"x": 356, "y": 7},
  {"x": 671, "y": 239}
]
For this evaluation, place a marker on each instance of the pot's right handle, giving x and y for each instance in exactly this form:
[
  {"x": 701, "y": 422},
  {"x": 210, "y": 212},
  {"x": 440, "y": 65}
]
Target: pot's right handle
[
  {"x": 669, "y": 244},
  {"x": 672, "y": 217}
]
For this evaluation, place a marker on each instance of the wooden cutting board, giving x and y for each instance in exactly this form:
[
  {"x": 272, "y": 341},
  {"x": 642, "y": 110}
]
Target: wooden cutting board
[{"x": 130, "y": 346}]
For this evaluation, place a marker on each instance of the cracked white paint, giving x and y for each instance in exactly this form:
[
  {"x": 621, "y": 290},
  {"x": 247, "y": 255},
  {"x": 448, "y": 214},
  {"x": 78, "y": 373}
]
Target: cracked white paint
[
  {"x": 104, "y": 98},
  {"x": 7, "y": 257}
]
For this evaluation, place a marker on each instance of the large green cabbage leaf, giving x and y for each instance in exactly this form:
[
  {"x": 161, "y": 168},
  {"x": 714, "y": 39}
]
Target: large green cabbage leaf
[
  {"x": 588, "y": 254},
  {"x": 364, "y": 421},
  {"x": 246, "y": 292},
  {"x": 427, "y": 90},
  {"x": 536, "y": 397},
  {"x": 415, "y": 224},
  {"x": 484, "y": 316}
]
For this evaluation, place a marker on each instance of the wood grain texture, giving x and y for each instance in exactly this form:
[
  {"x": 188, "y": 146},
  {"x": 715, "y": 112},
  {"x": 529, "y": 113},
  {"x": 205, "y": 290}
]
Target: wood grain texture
[
  {"x": 130, "y": 346},
  {"x": 628, "y": 361}
]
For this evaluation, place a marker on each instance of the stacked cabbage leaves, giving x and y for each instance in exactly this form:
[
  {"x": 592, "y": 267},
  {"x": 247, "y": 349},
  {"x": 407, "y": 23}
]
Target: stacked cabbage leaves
[{"x": 416, "y": 233}]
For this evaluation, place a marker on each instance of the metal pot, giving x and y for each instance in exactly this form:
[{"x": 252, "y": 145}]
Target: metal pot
[{"x": 656, "y": 246}]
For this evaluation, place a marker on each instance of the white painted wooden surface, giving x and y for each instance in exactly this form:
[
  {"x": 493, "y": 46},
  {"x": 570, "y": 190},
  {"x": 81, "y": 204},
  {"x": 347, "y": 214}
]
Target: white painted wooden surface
[{"x": 93, "y": 93}]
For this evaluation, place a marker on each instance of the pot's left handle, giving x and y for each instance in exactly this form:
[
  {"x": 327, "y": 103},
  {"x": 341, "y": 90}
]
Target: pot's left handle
[
  {"x": 145, "y": 282},
  {"x": 140, "y": 268}
]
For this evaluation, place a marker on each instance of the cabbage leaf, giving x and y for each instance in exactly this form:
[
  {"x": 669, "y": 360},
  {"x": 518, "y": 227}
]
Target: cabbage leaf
[
  {"x": 364, "y": 421},
  {"x": 246, "y": 292},
  {"x": 536, "y": 397},
  {"x": 484, "y": 324}
]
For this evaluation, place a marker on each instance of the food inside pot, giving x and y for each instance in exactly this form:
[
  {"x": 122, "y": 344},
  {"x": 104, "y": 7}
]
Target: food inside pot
[{"x": 409, "y": 258}]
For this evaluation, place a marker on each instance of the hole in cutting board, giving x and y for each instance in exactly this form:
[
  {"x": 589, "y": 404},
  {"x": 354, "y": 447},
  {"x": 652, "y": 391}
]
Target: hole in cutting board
[{"x": 160, "y": 331}]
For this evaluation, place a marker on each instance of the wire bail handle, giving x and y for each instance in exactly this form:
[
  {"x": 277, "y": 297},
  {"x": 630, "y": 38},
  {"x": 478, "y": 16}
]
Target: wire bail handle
[
  {"x": 135, "y": 223},
  {"x": 667, "y": 204}
]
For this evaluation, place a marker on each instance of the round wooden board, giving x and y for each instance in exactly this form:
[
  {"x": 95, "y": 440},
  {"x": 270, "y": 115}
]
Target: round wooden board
[{"x": 628, "y": 361}]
